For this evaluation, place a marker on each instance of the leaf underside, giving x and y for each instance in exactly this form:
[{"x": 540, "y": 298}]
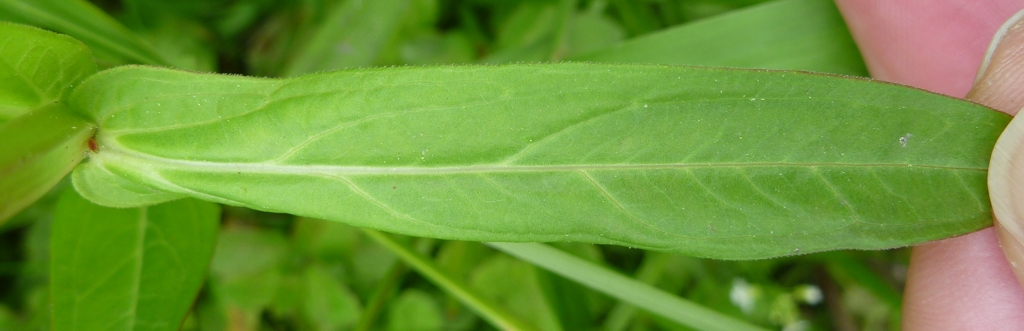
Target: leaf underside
[{"x": 721, "y": 163}]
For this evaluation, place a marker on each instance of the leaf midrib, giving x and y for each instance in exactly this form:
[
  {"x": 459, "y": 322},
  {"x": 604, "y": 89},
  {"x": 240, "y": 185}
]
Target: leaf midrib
[{"x": 291, "y": 169}]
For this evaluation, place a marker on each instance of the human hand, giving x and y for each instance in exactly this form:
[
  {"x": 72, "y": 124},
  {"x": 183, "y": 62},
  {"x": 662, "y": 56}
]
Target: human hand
[{"x": 962, "y": 283}]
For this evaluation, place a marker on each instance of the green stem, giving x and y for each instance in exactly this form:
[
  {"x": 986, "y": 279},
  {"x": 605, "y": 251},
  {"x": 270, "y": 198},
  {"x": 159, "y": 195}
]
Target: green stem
[
  {"x": 624, "y": 288},
  {"x": 649, "y": 272},
  {"x": 381, "y": 295},
  {"x": 388, "y": 286},
  {"x": 487, "y": 309}
]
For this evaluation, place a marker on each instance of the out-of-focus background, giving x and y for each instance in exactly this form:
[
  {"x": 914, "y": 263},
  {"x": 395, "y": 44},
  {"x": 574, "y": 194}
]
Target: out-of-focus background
[{"x": 280, "y": 272}]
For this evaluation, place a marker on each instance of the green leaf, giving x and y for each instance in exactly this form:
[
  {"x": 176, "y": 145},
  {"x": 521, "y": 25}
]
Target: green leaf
[
  {"x": 494, "y": 314},
  {"x": 514, "y": 284},
  {"x": 650, "y": 271},
  {"x": 623, "y": 288},
  {"x": 352, "y": 36},
  {"x": 111, "y": 40},
  {"x": 534, "y": 31},
  {"x": 636, "y": 16},
  {"x": 128, "y": 269},
  {"x": 722, "y": 163},
  {"x": 328, "y": 304},
  {"x": 788, "y": 34},
  {"x": 44, "y": 140},
  {"x": 39, "y": 149},
  {"x": 38, "y": 68},
  {"x": 591, "y": 32},
  {"x": 414, "y": 310}
]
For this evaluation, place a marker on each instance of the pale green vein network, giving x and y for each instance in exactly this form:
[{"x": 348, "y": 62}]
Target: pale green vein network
[{"x": 703, "y": 161}]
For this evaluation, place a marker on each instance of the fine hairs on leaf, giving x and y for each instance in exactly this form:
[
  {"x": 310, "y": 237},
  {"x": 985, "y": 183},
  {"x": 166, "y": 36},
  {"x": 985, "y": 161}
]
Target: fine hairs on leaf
[{"x": 721, "y": 163}]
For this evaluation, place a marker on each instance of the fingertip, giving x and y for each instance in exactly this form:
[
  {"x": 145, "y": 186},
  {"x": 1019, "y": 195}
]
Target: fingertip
[
  {"x": 953, "y": 286},
  {"x": 1014, "y": 251}
]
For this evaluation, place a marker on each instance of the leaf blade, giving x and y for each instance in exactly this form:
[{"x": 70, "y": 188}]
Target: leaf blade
[
  {"x": 623, "y": 288},
  {"x": 788, "y": 34},
  {"x": 353, "y": 35},
  {"x": 38, "y": 68},
  {"x": 488, "y": 310},
  {"x": 128, "y": 269},
  {"x": 45, "y": 145},
  {"x": 709, "y": 162},
  {"x": 84, "y": 21}
]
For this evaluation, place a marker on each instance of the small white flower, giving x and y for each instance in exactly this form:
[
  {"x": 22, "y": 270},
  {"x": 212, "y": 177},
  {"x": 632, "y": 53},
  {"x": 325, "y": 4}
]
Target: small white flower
[
  {"x": 810, "y": 294},
  {"x": 743, "y": 295}
]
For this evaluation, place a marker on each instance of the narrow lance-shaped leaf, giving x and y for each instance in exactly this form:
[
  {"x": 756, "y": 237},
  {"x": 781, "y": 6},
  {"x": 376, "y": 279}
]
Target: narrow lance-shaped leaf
[
  {"x": 642, "y": 295},
  {"x": 491, "y": 312},
  {"x": 128, "y": 269},
  {"x": 722, "y": 163}
]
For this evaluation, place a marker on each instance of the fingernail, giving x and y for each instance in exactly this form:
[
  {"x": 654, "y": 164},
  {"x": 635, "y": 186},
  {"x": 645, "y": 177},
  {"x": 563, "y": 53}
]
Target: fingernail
[
  {"x": 1014, "y": 251},
  {"x": 1006, "y": 192},
  {"x": 1011, "y": 24}
]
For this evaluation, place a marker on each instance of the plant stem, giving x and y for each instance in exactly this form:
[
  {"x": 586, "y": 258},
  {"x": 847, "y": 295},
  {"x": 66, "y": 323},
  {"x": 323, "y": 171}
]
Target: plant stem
[
  {"x": 624, "y": 288},
  {"x": 381, "y": 295},
  {"x": 488, "y": 310}
]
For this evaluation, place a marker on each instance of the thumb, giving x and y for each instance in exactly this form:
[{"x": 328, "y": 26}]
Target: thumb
[{"x": 1000, "y": 85}]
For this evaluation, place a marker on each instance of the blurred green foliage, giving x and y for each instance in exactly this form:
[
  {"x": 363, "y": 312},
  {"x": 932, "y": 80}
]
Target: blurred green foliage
[{"x": 279, "y": 272}]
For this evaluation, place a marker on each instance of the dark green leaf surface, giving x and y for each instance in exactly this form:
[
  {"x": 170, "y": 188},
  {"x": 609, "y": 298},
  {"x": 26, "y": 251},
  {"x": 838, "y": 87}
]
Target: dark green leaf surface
[
  {"x": 723, "y": 163},
  {"x": 788, "y": 34},
  {"x": 39, "y": 148},
  {"x": 38, "y": 68},
  {"x": 352, "y": 36},
  {"x": 496, "y": 315},
  {"x": 107, "y": 37},
  {"x": 414, "y": 310},
  {"x": 128, "y": 269}
]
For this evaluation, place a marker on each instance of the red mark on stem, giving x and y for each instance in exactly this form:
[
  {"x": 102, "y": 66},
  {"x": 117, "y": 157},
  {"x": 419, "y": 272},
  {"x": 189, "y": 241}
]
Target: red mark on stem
[{"x": 92, "y": 145}]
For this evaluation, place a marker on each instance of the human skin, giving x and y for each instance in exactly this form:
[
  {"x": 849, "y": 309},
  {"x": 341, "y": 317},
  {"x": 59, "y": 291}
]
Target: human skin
[{"x": 962, "y": 283}]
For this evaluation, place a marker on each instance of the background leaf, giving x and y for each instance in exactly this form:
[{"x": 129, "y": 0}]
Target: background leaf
[
  {"x": 622, "y": 287},
  {"x": 353, "y": 35},
  {"x": 706, "y": 162},
  {"x": 128, "y": 269},
  {"x": 788, "y": 34},
  {"x": 38, "y": 68},
  {"x": 108, "y": 38},
  {"x": 414, "y": 310},
  {"x": 486, "y": 308},
  {"x": 40, "y": 148}
]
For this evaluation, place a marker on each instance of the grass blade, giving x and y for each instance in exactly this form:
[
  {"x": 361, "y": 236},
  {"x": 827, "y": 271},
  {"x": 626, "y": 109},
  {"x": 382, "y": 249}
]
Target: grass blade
[
  {"x": 486, "y": 309},
  {"x": 107, "y": 37},
  {"x": 623, "y": 288}
]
